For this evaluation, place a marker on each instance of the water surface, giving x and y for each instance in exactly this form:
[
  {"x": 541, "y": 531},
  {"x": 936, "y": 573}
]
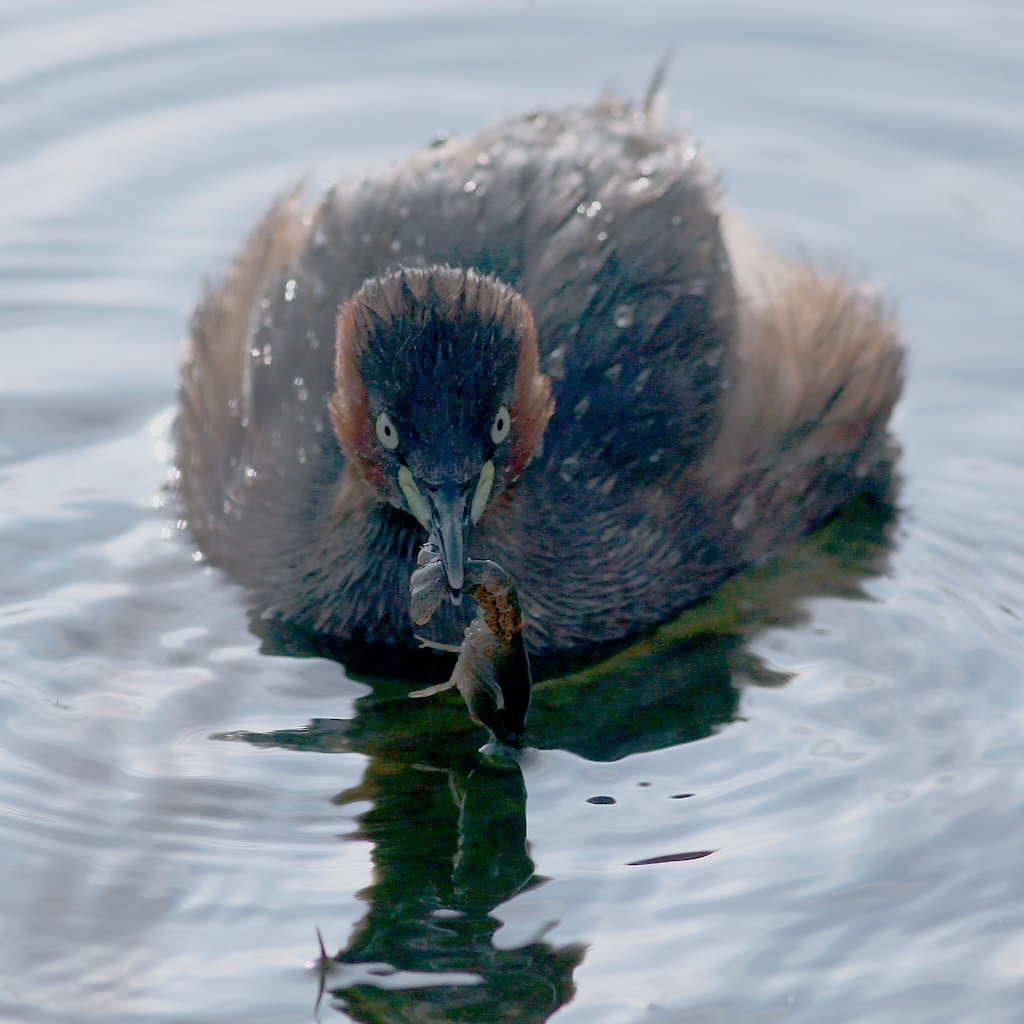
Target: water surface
[{"x": 800, "y": 804}]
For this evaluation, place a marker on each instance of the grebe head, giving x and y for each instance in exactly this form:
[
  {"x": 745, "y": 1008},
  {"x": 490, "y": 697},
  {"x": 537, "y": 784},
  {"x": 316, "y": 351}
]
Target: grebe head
[{"x": 439, "y": 403}]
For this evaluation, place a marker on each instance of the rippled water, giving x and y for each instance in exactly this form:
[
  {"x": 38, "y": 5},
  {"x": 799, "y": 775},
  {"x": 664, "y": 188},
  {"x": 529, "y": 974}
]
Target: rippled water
[{"x": 822, "y": 769}]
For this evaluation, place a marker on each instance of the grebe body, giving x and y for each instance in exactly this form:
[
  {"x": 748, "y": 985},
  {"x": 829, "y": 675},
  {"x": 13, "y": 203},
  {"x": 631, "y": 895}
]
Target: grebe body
[{"x": 536, "y": 347}]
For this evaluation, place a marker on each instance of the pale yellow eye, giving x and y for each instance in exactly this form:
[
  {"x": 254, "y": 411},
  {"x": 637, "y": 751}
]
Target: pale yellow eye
[
  {"x": 386, "y": 432},
  {"x": 501, "y": 426}
]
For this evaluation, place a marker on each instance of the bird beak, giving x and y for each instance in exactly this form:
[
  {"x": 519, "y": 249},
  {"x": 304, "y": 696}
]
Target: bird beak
[{"x": 450, "y": 525}]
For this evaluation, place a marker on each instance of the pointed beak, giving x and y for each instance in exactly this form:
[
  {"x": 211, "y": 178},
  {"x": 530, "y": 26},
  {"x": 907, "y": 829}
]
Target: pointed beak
[{"x": 450, "y": 525}]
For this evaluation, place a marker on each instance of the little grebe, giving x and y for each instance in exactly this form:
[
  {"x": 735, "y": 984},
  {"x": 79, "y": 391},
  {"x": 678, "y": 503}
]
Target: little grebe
[{"x": 537, "y": 362}]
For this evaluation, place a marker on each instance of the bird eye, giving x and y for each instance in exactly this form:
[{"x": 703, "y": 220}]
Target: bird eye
[
  {"x": 386, "y": 432},
  {"x": 500, "y": 427}
]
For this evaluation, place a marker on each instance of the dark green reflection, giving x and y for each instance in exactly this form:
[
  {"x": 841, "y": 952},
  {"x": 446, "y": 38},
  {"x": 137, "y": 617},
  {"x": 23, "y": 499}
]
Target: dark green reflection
[
  {"x": 449, "y": 835},
  {"x": 449, "y": 831}
]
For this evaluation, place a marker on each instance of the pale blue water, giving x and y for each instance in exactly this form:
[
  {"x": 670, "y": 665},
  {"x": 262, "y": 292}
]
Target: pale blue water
[{"x": 865, "y": 811}]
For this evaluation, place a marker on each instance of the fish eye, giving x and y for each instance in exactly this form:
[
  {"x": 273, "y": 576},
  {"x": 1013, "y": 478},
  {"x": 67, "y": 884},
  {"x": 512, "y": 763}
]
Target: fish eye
[
  {"x": 501, "y": 426},
  {"x": 386, "y": 432}
]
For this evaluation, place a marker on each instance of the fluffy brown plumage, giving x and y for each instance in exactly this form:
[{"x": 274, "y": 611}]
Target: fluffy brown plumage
[{"x": 712, "y": 403}]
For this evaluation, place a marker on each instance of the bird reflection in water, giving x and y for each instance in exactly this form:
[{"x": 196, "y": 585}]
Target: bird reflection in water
[{"x": 449, "y": 829}]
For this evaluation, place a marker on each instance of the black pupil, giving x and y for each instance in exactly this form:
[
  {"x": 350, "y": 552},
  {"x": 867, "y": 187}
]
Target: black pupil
[{"x": 501, "y": 424}]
